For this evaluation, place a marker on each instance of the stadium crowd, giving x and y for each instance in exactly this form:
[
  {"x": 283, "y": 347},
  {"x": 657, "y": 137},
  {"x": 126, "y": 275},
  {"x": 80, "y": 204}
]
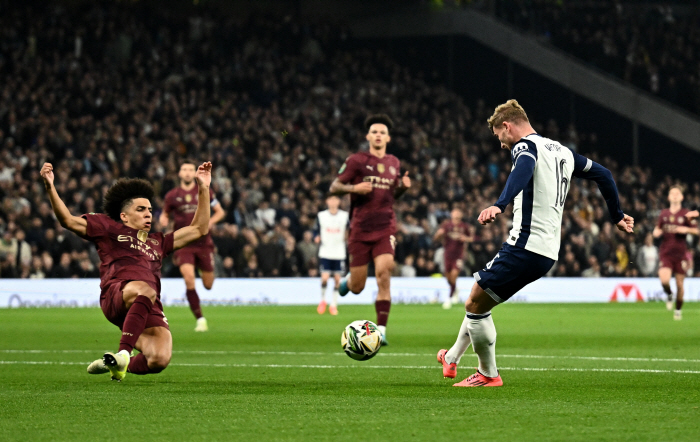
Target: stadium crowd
[
  {"x": 103, "y": 92},
  {"x": 653, "y": 45}
]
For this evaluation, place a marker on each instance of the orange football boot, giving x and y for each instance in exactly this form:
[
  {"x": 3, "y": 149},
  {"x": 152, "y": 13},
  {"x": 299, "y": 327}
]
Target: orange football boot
[
  {"x": 448, "y": 370},
  {"x": 321, "y": 309},
  {"x": 479, "y": 380}
]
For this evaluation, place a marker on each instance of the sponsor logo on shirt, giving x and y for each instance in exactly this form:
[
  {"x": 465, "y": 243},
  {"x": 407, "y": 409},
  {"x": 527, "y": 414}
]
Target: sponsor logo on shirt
[{"x": 370, "y": 167}]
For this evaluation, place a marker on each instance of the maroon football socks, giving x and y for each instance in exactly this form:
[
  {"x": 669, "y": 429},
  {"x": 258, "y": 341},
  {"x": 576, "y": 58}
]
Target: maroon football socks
[
  {"x": 135, "y": 322},
  {"x": 453, "y": 286},
  {"x": 193, "y": 299},
  {"x": 382, "y": 308},
  {"x": 139, "y": 365}
]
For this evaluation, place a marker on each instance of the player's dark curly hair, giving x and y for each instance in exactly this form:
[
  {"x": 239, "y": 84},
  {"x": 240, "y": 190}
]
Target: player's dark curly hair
[
  {"x": 379, "y": 119},
  {"x": 122, "y": 193}
]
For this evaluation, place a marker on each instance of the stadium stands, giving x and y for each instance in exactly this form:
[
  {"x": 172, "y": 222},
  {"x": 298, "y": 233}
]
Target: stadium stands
[{"x": 277, "y": 106}]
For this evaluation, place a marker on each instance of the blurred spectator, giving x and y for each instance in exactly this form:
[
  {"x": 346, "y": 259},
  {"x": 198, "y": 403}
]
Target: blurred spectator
[{"x": 648, "y": 257}]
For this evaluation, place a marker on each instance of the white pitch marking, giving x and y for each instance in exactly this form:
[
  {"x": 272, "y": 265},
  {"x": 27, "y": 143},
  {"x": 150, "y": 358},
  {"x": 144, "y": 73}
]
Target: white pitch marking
[
  {"x": 340, "y": 353},
  {"x": 407, "y": 367}
]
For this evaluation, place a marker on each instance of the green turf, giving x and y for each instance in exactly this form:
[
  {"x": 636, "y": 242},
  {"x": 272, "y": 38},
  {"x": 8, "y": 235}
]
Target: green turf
[{"x": 236, "y": 393}]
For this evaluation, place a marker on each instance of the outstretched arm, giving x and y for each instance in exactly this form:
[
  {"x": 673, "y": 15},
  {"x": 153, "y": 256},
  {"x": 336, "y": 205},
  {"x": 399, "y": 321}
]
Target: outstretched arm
[
  {"x": 590, "y": 170},
  {"x": 200, "y": 223},
  {"x": 75, "y": 224}
]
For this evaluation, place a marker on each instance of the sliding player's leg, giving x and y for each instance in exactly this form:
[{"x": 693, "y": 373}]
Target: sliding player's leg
[
  {"x": 325, "y": 274},
  {"x": 384, "y": 266},
  {"x": 680, "y": 278},
  {"x": 129, "y": 305},
  {"x": 665, "y": 277},
  {"x": 156, "y": 346}
]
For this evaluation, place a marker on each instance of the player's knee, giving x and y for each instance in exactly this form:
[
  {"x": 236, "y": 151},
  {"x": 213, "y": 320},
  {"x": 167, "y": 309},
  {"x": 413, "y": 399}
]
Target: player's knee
[
  {"x": 356, "y": 288},
  {"x": 149, "y": 293},
  {"x": 158, "y": 362},
  {"x": 208, "y": 284}
]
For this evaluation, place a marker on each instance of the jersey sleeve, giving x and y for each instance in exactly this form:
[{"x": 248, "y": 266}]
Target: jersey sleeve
[
  {"x": 590, "y": 170},
  {"x": 317, "y": 226},
  {"x": 521, "y": 174},
  {"x": 524, "y": 148},
  {"x": 348, "y": 171},
  {"x": 97, "y": 225},
  {"x": 168, "y": 243}
]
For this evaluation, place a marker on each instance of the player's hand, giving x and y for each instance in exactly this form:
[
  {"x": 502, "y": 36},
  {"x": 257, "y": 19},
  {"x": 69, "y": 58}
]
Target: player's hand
[
  {"x": 692, "y": 214},
  {"x": 626, "y": 224},
  {"x": 405, "y": 181},
  {"x": 203, "y": 174},
  {"x": 679, "y": 230},
  {"x": 489, "y": 215},
  {"x": 47, "y": 173},
  {"x": 363, "y": 188}
]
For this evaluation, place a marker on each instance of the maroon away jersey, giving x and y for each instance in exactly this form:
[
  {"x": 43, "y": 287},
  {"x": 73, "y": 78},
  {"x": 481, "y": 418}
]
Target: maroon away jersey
[
  {"x": 127, "y": 254},
  {"x": 372, "y": 215},
  {"x": 674, "y": 244},
  {"x": 454, "y": 247},
  {"x": 180, "y": 204}
]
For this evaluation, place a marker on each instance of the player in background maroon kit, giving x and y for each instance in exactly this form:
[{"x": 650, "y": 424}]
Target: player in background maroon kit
[
  {"x": 181, "y": 204},
  {"x": 674, "y": 224},
  {"x": 455, "y": 234},
  {"x": 131, "y": 259},
  {"x": 373, "y": 180}
]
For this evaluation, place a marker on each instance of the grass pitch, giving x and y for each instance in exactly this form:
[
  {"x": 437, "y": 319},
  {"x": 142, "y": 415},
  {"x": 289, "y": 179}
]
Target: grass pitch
[{"x": 572, "y": 372}]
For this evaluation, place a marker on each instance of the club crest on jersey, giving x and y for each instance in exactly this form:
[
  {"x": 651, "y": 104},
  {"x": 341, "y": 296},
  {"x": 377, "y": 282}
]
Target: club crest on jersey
[
  {"x": 152, "y": 241},
  {"x": 392, "y": 170},
  {"x": 519, "y": 148},
  {"x": 380, "y": 168},
  {"x": 188, "y": 198},
  {"x": 680, "y": 219},
  {"x": 142, "y": 235}
]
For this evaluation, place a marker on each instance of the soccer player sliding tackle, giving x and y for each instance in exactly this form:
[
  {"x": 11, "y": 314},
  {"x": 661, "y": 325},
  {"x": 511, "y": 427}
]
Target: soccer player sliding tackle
[
  {"x": 373, "y": 180},
  {"x": 181, "y": 204},
  {"x": 131, "y": 259},
  {"x": 537, "y": 187}
]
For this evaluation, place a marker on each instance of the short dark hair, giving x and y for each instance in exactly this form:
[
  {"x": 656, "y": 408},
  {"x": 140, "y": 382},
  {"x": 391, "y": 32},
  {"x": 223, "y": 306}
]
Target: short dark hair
[
  {"x": 189, "y": 161},
  {"x": 379, "y": 119},
  {"x": 122, "y": 193}
]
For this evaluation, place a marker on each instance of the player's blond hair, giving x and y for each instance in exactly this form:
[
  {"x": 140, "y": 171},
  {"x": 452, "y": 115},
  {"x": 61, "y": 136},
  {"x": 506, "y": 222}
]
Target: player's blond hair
[{"x": 509, "y": 111}]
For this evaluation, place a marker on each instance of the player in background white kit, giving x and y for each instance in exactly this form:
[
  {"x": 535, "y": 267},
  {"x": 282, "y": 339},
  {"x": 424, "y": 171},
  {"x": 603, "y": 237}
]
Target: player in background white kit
[
  {"x": 331, "y": 228},
  {"x": 537, "y": 186}
]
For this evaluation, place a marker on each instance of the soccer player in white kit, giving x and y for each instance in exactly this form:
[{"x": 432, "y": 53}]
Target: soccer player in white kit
[
  {"x": 331, "y": 228},
  {"x": 537, "y": 187}
]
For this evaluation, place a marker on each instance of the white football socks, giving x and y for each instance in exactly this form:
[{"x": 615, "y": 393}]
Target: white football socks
[
  {"x": 323, "y": 293},
  {"x": 461, "y": 345},
  {"x": 334, "y": 302},
  {"x": 382, "y": 329},
  {"x": 483, "y": 336}
]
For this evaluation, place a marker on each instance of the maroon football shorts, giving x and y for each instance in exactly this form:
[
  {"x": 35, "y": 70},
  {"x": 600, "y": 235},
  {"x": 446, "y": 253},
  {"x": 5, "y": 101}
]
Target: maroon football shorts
[
  {"x": 200, "y": 257},
  {"x": 362, "y": 252},
  {"x": 453, "y": 263},
  {"x": 112, "y": 303},
  {"x": 677, "y": 263}
]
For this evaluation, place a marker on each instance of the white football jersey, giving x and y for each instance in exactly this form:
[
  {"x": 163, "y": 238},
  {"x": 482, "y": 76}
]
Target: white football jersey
[
  {"x": 538, "y": 208},
  {"x": 332, "y": 230}
]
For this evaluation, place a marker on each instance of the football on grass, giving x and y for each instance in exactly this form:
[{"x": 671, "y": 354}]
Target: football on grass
[{"x": 361, "y": 340}]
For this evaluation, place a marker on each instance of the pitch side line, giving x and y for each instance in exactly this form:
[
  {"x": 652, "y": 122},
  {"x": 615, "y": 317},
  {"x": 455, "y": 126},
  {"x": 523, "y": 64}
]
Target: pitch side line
[
  {"x": 407, "y": 367},
  {"x": 340, "y": 353}
]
